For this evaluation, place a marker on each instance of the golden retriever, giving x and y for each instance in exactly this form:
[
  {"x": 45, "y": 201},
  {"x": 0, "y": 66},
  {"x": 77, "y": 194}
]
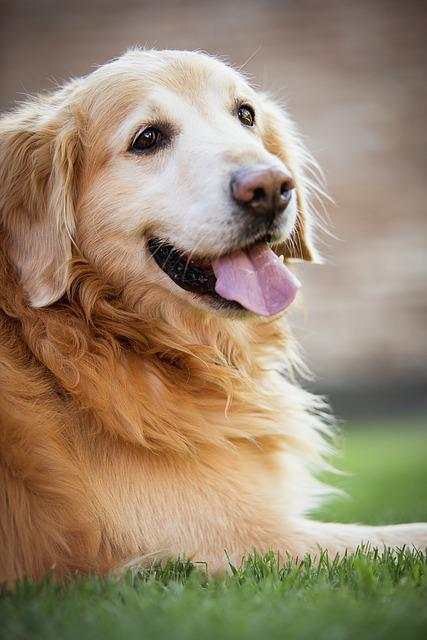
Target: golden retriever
[{"x": 148, "y": 407}]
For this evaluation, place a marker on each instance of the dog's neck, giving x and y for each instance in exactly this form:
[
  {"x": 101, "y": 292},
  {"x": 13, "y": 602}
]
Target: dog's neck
[{"x": 202, "y": 377}]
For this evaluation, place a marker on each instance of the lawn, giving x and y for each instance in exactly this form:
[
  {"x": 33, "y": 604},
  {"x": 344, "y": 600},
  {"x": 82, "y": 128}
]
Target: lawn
[{"x": 363, "y": 596}]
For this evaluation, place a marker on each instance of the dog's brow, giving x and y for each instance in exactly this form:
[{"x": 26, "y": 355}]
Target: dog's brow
[
  {"x": 147, "y": 113},
  {"x": 192, "y": 81},
  {"x": 156, "y": 112}
]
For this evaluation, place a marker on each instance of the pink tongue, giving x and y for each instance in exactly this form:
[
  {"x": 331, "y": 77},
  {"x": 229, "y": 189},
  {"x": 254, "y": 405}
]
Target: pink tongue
[{"x": 257, "y": 279}]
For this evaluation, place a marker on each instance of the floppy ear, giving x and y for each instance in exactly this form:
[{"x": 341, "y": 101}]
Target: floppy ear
[
  {"x": 282, "y": 139},
  {"x": 39, "y": 151}
]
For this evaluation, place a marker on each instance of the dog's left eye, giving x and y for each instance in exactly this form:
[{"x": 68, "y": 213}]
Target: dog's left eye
[
  {"x": 146, "y": 139},
  {"x": 246, "y": 115}
]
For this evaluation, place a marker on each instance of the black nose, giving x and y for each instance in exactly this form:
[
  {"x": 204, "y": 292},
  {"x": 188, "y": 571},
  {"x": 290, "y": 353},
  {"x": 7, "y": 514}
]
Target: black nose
[{"x": 262, "y": 189}]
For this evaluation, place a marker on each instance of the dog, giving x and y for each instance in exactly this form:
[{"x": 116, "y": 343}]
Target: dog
[{"x": 150, "y": 213}]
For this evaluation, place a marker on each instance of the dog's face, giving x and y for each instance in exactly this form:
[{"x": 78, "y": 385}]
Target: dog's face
[{"x": 185, "y": 183}]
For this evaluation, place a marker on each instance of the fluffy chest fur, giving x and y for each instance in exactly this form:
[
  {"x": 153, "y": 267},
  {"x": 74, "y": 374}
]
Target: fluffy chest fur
[{"x": 191, "y": 444}]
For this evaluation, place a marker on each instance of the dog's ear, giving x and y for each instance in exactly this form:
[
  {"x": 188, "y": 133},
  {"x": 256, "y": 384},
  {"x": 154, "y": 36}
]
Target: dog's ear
[
  {"x": 39, "y": 154},
  {"x": 283, "y": 140}
]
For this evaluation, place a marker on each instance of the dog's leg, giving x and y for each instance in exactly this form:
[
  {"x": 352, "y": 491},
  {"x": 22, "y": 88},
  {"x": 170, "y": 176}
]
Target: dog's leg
[
  {"x": 310, "y": 537},
  {"x": 306, "y": 536},
  {"x": 298, "y": 539}
]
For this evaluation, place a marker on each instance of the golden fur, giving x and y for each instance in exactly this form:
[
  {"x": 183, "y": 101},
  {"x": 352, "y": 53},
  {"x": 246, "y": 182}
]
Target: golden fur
[{"x": 135, "y": 421}]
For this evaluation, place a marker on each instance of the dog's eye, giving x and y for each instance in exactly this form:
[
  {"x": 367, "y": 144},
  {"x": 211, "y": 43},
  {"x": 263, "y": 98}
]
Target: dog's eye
[
  {"x": 246, "y": 115},
  {"x": 146, "y": 139}
]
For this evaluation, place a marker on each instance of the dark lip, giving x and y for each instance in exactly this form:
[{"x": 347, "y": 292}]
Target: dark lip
[
  {"x": 193, "y": 275},
  {"x": 188, "y": 274}
]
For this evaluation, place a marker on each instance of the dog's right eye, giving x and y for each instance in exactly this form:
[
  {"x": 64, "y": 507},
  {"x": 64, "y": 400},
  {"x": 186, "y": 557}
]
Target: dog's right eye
[{"x": 146, "y": 139}]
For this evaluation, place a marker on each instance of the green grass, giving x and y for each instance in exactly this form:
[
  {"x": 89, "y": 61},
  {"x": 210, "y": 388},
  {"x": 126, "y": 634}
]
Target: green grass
[
  {"x": 386, "y": 481},
  {"x": 362, "y": 596}
]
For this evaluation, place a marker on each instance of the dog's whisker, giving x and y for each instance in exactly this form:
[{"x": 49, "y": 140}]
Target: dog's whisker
[
  {"x": 192, "y": 253},
  {"x": 250, "y": 58}
]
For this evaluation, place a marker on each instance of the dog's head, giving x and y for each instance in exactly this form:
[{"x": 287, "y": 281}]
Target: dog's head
[{"x": 169, "y": 174}]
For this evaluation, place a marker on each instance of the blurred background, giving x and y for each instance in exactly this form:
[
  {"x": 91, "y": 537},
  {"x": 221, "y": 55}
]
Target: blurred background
[{"x": 353, "y": 75}]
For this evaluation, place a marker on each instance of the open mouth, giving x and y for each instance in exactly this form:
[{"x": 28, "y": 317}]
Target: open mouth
[{"x": 255, "y": 277}]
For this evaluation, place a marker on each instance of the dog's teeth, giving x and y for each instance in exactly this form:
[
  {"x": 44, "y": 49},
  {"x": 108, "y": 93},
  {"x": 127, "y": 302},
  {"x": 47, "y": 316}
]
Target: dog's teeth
[{"x": 282, "y": 258}]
